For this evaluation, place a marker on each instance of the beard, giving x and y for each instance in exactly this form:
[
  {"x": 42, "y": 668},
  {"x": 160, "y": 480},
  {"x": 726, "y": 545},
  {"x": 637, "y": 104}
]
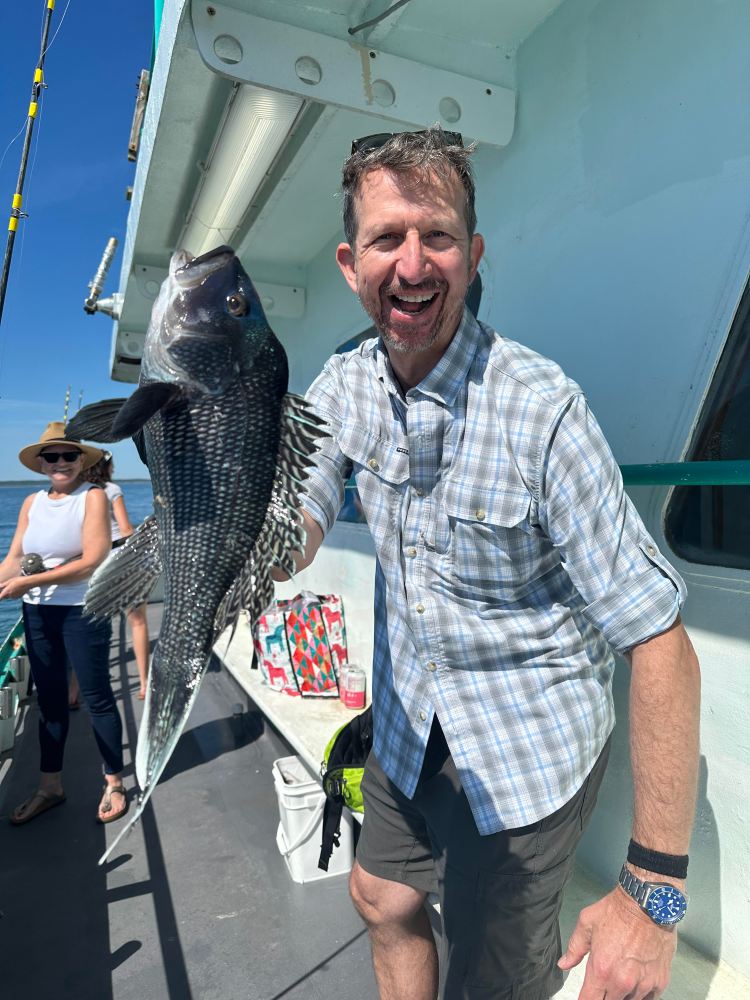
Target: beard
[{"x": 444, "y": 325}]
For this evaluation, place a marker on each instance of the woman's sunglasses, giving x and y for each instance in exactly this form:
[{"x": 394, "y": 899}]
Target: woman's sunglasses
[
  {"x": 54, "y": 456},
  {"x": 369, "y": 142}
]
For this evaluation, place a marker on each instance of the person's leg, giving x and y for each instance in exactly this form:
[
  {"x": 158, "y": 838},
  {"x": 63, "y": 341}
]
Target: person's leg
[
  {"x": 403, "y": 947},
  {"x": 501, "y": 894},
  {"x": 390, "y": 880},
  {"x": 48, "y": 667},
  {"x": 139, "y": 631},
  {"x": 88, "y": 643},
  {"x": 74, "y": 690}
]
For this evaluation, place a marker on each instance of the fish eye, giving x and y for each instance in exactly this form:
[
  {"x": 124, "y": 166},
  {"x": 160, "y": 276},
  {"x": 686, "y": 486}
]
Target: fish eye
[{"x": 237, "y": 304}]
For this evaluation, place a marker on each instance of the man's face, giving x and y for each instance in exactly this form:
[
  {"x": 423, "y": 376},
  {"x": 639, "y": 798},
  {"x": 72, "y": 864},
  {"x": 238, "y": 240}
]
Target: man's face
[{"x": 413, "y": 260}]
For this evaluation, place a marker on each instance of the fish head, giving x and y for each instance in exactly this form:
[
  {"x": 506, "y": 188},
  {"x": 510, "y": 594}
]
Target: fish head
[{"x": 206, "y": 325}]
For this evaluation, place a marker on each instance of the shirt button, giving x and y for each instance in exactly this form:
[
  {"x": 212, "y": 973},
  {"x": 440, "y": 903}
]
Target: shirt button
[
  {"x": 411, "y": 552},
  {"x": 373, "y": 465},
  {"x": 651, "y": 550},
  {"x": 480, "y": 514},
  {"x": 420, "y": 493},
  {"x": 432, "y": 665},
  {"x": 420, "y": 609},
  {"x": 423, "y": 716}
]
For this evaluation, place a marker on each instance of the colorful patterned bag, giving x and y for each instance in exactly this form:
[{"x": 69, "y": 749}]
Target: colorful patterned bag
[{"x": 300, "y": 644}]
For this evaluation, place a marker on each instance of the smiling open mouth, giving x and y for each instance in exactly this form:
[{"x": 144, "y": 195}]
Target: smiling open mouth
[{"x": 414, "y": 303}]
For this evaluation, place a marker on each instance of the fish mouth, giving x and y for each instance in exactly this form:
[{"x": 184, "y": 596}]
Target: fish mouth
[{"x": 190, "y": 272}]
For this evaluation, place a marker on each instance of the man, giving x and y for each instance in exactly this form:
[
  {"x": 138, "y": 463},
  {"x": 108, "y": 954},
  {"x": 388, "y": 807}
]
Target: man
[{"x": 509, "y": 561}]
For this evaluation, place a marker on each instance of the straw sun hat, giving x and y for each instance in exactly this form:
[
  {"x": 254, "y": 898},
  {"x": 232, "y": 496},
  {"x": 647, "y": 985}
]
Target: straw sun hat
[{"x": 55, "y": 434}]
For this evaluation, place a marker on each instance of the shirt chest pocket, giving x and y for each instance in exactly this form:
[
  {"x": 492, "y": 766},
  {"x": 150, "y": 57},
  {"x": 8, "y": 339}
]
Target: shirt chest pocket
[
  {"x": 485, "y": 542},
  {"x": 380, "y": 468}
]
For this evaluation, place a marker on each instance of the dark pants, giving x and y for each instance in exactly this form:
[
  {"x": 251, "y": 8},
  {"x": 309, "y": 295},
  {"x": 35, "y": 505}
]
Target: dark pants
[{"x": 54, "y": 633}]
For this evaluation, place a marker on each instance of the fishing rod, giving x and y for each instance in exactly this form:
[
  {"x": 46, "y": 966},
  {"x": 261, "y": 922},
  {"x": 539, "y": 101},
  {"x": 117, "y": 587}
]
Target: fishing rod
[{"x": 16, "y": 213}]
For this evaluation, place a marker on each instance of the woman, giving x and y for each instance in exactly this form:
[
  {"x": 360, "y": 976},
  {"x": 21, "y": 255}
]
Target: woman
[
  {"x": 67, "y": 524},
  {"x": 100, "y": 474}
]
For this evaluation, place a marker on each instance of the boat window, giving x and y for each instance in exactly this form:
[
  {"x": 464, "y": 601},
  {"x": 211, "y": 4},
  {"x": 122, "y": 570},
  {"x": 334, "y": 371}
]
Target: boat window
[{"x": 711, "y": 524}]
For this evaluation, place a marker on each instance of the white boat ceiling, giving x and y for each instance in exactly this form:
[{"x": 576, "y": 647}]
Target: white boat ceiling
[{"x": 252, "y": 109}]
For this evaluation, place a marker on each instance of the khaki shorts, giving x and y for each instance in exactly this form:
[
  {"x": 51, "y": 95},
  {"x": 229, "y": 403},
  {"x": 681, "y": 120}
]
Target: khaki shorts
[{"x": 500, "y": 895}]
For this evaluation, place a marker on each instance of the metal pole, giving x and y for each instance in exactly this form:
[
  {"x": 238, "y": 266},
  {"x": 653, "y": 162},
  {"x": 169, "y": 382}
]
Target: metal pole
[
  {"x": 16, "y": 213},
  {"x": 97, "y": 282}
]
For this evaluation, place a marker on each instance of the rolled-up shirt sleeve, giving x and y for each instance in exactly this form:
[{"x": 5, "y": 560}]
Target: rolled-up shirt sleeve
[
  {"x": 323, "y": 495},
  {"x": 631, "y": 592}
]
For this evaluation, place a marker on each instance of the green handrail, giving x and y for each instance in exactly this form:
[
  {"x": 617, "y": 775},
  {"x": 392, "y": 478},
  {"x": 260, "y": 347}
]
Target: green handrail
[{"x": 735, "y": 473}]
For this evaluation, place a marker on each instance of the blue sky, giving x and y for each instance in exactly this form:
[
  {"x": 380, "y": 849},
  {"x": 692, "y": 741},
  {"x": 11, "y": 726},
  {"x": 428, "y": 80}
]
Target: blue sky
[{"x": 75, "y": 196}]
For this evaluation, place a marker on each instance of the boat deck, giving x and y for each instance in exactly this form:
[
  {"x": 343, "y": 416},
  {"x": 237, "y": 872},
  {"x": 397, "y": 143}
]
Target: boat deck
[{"x": 197, "y": 904}]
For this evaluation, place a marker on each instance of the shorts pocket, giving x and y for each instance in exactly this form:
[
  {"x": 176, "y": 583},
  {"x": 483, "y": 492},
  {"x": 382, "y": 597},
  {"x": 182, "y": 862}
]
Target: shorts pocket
[{"x": 511, "y": 934}]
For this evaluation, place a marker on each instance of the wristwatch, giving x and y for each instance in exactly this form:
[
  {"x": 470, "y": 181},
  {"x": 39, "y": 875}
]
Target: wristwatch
[{"x": 663, "y": 902}]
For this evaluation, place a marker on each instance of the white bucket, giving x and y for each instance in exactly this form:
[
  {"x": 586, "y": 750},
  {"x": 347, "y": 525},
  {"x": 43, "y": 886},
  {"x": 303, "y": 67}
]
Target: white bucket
[
  {"x": 301, "y": 801},
  {"x": 8, "y": 707}
]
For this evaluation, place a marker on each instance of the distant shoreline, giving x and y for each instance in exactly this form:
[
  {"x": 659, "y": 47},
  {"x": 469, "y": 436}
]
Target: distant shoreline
[{"x": 37, "y": 482}]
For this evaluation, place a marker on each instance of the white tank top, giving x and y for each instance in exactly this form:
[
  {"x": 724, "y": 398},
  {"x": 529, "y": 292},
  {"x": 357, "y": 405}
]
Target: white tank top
[
  {"x": 113, "y": 491},
  {"x": 54, "y": 531}
]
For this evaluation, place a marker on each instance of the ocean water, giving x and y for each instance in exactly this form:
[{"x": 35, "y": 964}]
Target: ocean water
[{"x": 138, "y": 500}]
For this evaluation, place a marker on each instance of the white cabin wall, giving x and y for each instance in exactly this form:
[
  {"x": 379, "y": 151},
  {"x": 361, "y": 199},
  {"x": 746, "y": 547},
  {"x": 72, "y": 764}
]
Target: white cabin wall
[
  {"x": 332, "y": 315},
  {"x": 617, "y": 218},
  {"x": 618, "y": 244}
]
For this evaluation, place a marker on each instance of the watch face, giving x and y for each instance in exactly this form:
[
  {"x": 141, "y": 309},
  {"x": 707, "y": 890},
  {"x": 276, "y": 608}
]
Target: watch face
[{"x": 666, "y": 905}]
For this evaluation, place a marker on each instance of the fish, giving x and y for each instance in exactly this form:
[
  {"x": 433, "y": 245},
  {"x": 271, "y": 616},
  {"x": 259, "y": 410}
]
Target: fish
[{"x": 228, "y": 449}]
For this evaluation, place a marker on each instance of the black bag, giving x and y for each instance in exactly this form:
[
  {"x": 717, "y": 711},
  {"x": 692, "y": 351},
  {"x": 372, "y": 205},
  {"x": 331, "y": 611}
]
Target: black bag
[{"x": 342, "y": 769}]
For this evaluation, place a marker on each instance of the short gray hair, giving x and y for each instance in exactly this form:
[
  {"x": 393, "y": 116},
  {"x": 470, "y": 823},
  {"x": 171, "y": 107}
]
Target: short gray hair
[{"x": 431, "y": 151}]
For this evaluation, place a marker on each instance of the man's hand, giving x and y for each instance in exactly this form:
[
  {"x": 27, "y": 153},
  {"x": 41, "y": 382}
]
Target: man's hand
[
  {"x": 15, "y": 587},
  {"x": 629, "y": 955}
]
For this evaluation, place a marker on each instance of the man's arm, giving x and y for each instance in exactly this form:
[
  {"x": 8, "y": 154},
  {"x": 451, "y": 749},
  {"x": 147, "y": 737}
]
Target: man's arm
[
  {"x": 630, "y": 955},
  {"x": 313, "y": 541}
]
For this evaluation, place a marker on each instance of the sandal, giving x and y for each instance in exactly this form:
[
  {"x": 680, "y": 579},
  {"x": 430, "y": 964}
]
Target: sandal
[
  {"x": 43, "y": 800},
  {"x": 106, "y": 804}
]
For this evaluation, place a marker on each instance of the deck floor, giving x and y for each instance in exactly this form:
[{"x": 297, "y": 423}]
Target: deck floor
[{"x": 197, "y": 903}]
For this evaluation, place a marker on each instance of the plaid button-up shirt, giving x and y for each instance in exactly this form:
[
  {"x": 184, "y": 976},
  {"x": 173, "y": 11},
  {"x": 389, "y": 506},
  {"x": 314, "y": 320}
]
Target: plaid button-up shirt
[{"x": 509, "y": 558}]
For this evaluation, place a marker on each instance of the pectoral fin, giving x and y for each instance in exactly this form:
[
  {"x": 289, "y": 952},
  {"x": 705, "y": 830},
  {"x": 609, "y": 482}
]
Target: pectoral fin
[
  {"x": 95, "y": 422},
  {"x": 141, "y": 406},
  {"x": 128, "y": 575}
]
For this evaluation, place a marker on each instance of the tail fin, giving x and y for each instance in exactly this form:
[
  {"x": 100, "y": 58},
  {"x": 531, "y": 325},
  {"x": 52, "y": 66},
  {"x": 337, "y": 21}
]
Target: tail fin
[{"x": 166, "y": 711}]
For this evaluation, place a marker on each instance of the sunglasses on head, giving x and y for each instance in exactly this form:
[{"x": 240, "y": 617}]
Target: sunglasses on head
[
  {"x": 369, "y": 142},
  {"x": 54, "y": 456}
]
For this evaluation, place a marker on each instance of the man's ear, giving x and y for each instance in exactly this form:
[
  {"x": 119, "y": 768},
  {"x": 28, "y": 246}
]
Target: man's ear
[
  {"x": 345, "y": 260},
  {"x": 476, "y": 252}
]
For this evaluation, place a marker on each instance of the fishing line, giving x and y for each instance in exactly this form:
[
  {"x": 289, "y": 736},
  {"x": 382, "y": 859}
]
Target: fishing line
[
  {"x": 49, "y": 43},
  {"x": 40, "y": 114},
  {"x": 23, "y": 126},
  {"x": 37, "y": 136}
]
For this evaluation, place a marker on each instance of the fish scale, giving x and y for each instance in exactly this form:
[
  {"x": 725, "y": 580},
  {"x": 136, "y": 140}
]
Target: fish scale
[{"x": 227, "y": 449}]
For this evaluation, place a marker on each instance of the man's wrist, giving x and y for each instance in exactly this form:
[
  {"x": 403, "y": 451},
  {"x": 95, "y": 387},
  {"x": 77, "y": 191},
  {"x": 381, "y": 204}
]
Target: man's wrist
[
  {"x": 648, "y": 876},
  {"x": 659, "y": 862},
  {"x": 661, "y": 899}
]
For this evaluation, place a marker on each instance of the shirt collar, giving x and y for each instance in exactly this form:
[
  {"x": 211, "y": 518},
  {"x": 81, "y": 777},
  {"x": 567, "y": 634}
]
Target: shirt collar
[
  {"x": 449, "y": 374},
  {"x": 445, "y": 380}
]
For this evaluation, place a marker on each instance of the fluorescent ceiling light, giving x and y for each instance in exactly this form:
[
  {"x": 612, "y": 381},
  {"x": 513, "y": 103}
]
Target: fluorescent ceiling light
[{"x": 254, "y": 130}]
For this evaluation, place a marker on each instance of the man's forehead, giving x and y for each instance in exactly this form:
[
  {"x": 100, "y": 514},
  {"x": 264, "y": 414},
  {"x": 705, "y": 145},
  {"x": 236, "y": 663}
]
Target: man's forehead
[{"x": 424, "y": 185}]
